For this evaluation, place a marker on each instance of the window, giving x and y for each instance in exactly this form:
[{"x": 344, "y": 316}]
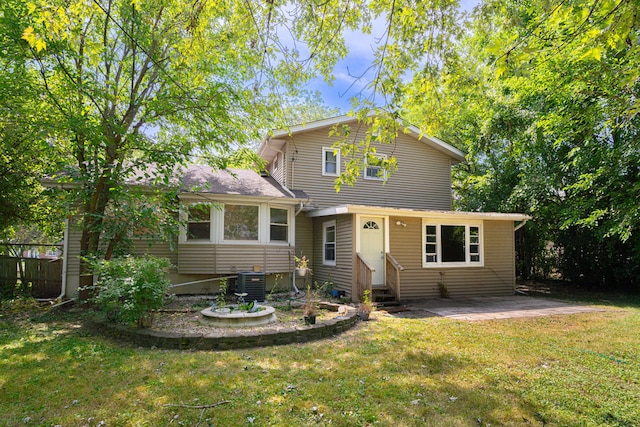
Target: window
[
  {"x": 329, "y": 243},
  {"x": 199, "y": 222},
  {"x": 240, "y": 222},
  {"x": 330, "y": 161},
  {"x": 451, "y": 245},
  {"x": 374, "y": 169},
  {"x": 278, "y": 225},
  {"x": 371, "y": 225}
]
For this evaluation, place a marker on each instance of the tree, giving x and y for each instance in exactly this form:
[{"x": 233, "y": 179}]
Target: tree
[
  {"x": 23, "y": 127},
  {"x": 139, "y": 87},
  {"x": 544, "y": 98}
]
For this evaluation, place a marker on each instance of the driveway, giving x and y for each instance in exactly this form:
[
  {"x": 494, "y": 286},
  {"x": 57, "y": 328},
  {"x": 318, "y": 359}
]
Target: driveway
[{"x": 488, "y": 308}]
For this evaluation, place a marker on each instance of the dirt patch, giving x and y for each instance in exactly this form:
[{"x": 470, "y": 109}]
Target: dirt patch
[{"x": 182, "y": 315}]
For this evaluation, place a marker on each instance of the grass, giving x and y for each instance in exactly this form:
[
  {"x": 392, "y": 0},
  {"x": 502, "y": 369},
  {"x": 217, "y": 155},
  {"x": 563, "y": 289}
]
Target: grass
[{"x": 575, "y": 370}]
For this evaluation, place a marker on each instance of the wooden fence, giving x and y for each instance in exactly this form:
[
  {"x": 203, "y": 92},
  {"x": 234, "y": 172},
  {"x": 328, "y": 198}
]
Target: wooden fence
[{"x": 41, "y": 277}]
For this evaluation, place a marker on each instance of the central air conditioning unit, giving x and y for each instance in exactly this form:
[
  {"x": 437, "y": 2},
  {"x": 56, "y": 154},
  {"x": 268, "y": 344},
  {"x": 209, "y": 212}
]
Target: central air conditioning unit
[{"x": 254, "y": 284}]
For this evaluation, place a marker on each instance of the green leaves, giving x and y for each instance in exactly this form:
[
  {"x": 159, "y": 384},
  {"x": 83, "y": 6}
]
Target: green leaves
[
  {"x": 543, "y": 98},
  {"x": 129, "y": 288}
]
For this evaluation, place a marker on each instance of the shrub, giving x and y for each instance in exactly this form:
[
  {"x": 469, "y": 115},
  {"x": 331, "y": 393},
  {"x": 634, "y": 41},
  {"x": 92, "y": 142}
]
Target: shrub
[{"x": 129, "y": 288}]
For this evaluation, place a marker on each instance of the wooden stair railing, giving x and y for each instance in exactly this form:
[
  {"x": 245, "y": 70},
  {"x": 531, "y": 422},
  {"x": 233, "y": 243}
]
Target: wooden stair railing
[
  {"x": 364, "y": 276},
  {"x": 393, "y": 269}
]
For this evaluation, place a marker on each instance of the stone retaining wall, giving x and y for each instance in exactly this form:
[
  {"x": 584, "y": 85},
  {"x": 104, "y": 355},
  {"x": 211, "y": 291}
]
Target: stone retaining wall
[{"x": 232, "y": 340}]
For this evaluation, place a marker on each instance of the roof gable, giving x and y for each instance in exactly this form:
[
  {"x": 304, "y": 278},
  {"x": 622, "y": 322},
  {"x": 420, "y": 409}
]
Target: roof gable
[{"x": 273, "y": 144}]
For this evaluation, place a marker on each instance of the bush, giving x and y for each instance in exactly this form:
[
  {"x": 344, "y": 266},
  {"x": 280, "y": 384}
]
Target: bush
[{"x": 129, "y": 288}]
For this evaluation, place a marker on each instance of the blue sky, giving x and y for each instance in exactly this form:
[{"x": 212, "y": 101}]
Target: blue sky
[{"x": 346, "y": 84}]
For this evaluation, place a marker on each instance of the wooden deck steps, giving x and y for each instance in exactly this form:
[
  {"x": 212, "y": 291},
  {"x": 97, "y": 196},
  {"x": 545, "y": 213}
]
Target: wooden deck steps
[{"x": 383, "y": 296}]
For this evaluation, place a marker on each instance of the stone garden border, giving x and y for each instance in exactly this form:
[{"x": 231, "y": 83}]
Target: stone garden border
[{"x": 234, "y": 339}]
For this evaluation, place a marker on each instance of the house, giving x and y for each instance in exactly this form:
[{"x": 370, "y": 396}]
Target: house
[{"x": 398, "y": 236}]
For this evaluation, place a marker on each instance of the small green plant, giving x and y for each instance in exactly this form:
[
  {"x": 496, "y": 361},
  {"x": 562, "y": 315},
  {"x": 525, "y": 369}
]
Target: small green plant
[
  {"x": 19, "y": 304},
  {"x": 309, "y": 305},
  {"x": 277, "y": 282},
  {"x": 222, "y": 294},
  {"x": 366, "y": 306},
  {"x": 345, "y": 300},
  {"x": 442, "y": 289},
  {"x": 327, "y": 286},
  {"x": 302, "y": 266},
  {"x": 302, "y": 262},
  {"x": 129, "y": 288}
]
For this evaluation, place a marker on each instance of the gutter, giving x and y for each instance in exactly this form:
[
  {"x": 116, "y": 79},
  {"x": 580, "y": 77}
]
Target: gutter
[{"x": 519, "y": 226}]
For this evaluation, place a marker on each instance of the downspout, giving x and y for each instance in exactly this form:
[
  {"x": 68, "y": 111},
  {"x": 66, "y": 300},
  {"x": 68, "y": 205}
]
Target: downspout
[
  {"x": 519, "y": 226},
  {"x": 293, "y": 273},
  {"x": 65, "y": 257}
]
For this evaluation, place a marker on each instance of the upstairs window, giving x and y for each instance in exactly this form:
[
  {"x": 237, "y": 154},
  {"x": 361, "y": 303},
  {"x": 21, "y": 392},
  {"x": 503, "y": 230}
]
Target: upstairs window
[
  {"x": 278, "y": 225},
  {"x": 241, "y": 222},
  {"x": 374, "y": 170},
  {"x": 199, "y": 222},
  {"x": 330, "y": 162},
  {"x": 446, "y": 245}
]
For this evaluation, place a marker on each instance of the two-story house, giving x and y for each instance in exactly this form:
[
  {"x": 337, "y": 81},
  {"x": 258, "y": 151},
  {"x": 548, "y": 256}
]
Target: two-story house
[
  {"x": 401, "y": 233},
  {"x": 397, "y": 236}
]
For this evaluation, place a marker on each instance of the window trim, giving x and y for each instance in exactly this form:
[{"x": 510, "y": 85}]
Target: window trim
[
  {"x": 270, "y": 223},
  {"x": 188, "y": 221},
  {"x": 440, "y": 264},
  {"x": 376, "y": 178},
  {"x": 217, "y": 223},
  {"x": 325, "y": 226},
  {"x": 336, "y": 152}
]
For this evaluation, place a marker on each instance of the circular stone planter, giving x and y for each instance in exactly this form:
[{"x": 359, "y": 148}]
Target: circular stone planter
[
  {"x": 233, "y": 339},
  {"x": 238, "y": 319}
]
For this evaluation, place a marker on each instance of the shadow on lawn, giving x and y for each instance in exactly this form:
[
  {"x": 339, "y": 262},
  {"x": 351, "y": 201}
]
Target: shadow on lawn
[
  {"x": 366, "y": 376},
  {"x": 572, "y": 292}
]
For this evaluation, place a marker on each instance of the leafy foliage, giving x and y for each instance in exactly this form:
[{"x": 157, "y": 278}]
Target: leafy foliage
[
  {"x": 129, "y": 288},
  {"x": 543, "y": 97},
  {"x": 135, "y": 89},
  {"x": 25, "y": 153}
]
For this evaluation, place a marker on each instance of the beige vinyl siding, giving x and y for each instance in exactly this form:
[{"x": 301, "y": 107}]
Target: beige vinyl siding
[
  {"x": 278, "y": 174},
  {"x": 341, "y": 274},
  {"x": 157, "y": 249},
  {"x": 304, "y": 237},
  {"x": 422, "y": 181},
  {"x": 228, "y": 259},
  {"x": 496, "y": 278}
]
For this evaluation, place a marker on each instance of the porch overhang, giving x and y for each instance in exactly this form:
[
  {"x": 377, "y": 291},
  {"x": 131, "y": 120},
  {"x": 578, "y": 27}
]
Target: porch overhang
[{"x": 417, "y": 213}]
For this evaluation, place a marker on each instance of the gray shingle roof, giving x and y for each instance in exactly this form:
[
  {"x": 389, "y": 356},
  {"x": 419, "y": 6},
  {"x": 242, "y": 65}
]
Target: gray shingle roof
[{"x": 204, "y": 179}]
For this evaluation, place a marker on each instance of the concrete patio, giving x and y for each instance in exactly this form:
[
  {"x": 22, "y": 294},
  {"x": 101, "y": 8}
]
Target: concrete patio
[{"x": 488, "y": 308}]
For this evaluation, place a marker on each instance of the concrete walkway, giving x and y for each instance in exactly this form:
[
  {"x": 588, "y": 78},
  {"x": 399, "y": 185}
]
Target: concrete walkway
[{"x": 488, "y": 308}]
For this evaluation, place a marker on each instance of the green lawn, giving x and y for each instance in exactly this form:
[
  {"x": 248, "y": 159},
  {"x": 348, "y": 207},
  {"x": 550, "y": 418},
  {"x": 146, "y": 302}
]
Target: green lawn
[{"x": 566, "y": 370}]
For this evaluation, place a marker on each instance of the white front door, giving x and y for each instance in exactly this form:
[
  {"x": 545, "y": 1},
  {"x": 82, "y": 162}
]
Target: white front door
[{"x": 372, "y": 246}]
